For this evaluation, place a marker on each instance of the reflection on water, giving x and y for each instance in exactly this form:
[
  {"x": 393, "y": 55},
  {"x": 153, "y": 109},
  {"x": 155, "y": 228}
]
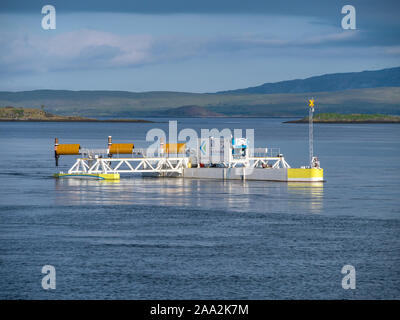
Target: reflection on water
[
  {"x": 312, "y": 192},
  {"x": 252, "y": 196}
]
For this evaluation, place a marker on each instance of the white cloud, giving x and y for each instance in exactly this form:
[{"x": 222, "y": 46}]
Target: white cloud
[
  {"x": 78, "y": 49},
  {"x": 91, "y": 49}
]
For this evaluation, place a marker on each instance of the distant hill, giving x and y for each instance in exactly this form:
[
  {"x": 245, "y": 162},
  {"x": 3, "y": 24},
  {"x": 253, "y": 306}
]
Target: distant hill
[
  {"x": 188, "y": 111},
  {"x": 101, "y": 102},
  {"x": 10, "y": 113},
  {"x": 132, "y": 105},
  {"x": 328, "y": 83},
  {"x": 349, "y": 118},
  {"x": 333, "y": 93},
  {"x": 31, "y": 114}
]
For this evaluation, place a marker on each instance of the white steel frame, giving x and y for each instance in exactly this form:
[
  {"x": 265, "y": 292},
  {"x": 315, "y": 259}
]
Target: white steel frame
[
  {"x": 97, "y": 162},
  {"x": 135, "y": 165},
  {"x": 159, "y": 164},
  {"x": 280, "y": 162}
]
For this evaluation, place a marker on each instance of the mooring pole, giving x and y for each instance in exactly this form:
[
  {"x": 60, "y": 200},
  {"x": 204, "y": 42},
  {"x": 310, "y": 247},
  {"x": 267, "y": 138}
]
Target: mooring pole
[
  {"x": 109, "y": 140},
  {"x": 56, "y": 156}
]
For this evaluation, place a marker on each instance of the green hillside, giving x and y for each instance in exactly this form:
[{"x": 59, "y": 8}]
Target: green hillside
[
  {"x": 130, "y": 104},
  {"x": 10, "y": 113},
  {"x": 356, "y": 92},
  {"x": 330, "y": 82},
  {"x": 349, "y": 118},
  {"x": 31, "y": 114}
]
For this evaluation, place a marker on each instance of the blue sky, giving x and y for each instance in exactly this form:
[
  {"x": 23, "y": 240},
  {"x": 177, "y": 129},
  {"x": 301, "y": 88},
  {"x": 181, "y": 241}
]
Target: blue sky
[{"x": 195, "y": 46}]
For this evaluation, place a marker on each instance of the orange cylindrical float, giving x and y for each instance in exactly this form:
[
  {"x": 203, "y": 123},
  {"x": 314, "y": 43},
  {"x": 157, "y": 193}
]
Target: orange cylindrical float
[
  {"x": 175, "y": 148},
  {"x": 67, "y": 149},
  {"x": 121, "y": 148}
]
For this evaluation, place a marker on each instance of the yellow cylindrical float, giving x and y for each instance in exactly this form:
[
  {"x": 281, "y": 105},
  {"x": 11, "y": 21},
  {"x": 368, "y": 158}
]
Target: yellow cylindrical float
[
  {"x": 175, "y": 148},
  {"x": 121, "y": 148},
  {"x": 67, "y": 149}
]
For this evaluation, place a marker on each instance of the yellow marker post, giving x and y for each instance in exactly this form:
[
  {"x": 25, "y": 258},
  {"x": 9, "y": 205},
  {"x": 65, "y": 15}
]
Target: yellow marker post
[{"x": 310, "y": 130}]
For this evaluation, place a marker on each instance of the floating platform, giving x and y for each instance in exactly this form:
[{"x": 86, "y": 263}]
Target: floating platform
[
  {"x": 257, "y": 174},
  {"x": 260, "y": 174},
  {"x": 212, "y": 158}
]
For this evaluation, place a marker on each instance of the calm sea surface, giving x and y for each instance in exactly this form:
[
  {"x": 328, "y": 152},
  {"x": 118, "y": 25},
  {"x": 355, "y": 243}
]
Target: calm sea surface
[{"x": 148, "y": 238}]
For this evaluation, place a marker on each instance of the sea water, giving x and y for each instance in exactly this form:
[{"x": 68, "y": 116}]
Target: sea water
[{"x": 168, "y": 238}]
